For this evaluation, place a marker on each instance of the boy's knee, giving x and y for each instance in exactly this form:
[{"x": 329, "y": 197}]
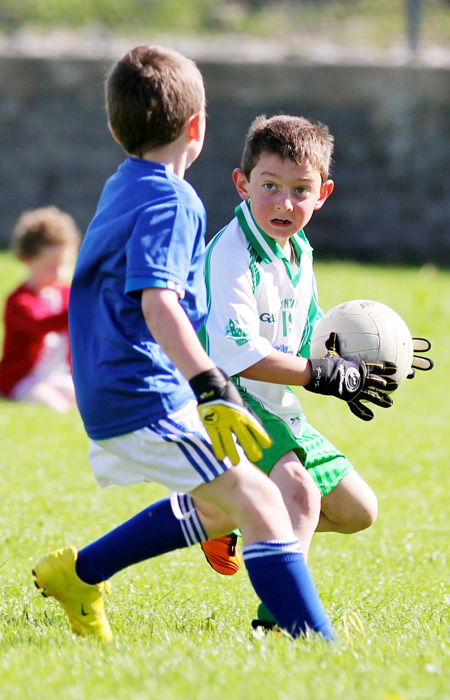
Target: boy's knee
[
  {"x": 352, "y": 506},
  {"x": 363, "y": 515},
  {"x": 365, "y": 510},
  {"x": 305, "y": 494},
  {"x": 244, "y": 492},
  {"x": 263, "y": 505},
  {"x": 299, "y": 490},
  {"x": 263, "y": 495},
  {"x": 368, "y": 514}
]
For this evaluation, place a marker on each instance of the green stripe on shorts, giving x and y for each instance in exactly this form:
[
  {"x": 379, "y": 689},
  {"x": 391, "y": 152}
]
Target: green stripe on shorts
[{"x": 324, "y": 462}]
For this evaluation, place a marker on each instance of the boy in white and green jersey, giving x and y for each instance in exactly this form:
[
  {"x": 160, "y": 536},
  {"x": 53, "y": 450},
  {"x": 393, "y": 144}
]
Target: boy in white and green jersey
[
  {"x": 268, "y": 303},
  {"x": 262, "y": 307}
]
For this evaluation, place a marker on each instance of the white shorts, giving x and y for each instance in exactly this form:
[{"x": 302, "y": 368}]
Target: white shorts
[{"x": 175, "y": 452}]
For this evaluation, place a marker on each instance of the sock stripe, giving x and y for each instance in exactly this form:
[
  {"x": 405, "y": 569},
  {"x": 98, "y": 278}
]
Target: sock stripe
[
  {"x": 190, "y": 522},
  {"x": 270, "y": 549}
]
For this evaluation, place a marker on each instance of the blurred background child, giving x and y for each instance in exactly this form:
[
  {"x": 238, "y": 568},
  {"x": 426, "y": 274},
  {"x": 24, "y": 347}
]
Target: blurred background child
[{"x": 36, "y": 357}]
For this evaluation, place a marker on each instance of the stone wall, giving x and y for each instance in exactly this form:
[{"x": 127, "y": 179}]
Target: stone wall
[{"x": 392, "y": 147}]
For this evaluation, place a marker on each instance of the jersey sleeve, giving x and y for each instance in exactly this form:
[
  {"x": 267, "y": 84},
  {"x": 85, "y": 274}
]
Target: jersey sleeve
[
  {"x": 230, "y": 334},
  {"x": 161, "y": 249}
]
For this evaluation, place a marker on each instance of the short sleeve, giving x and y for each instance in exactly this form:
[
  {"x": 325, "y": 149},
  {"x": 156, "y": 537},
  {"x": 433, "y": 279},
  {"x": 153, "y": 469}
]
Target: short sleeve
[
  {"x": 162, "y": 246},
  {"x": 231, "y": 334}
]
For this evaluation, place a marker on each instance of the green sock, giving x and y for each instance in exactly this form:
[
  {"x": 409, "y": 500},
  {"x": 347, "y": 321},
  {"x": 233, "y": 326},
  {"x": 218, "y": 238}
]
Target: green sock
[{"x": 263, "y": 614}]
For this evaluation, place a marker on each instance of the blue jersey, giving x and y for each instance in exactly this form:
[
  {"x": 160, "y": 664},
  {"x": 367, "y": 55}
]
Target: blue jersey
[{"x": 148, "y": 231}]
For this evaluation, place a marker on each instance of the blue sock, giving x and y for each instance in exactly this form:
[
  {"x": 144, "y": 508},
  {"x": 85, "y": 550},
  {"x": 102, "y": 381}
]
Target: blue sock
[
  {"x": 148, "y": 534},
  {"x": 282, "y": 580}
]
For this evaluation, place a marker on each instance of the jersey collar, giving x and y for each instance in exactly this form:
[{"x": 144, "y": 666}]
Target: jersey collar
[{"x": 267, "y": 248}]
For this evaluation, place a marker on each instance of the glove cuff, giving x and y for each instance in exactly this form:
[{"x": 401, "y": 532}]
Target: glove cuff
[
  {"x": 209, "y": 385},
  {"x": 319, "y": 375},
  {"x": 334, "y": 376}
]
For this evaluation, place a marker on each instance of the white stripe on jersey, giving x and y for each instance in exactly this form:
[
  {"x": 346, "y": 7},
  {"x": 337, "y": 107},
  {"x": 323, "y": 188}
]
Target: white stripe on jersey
[{"x": 255, "y": 231}]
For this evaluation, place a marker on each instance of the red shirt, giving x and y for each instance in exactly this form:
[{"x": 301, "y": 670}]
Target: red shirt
[{"x": 29, "y": 316}]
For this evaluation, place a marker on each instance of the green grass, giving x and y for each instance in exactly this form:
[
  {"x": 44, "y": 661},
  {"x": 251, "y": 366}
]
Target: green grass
[
  {"x": 181, "y": 630},
  {"x": 360, "y": 22}
]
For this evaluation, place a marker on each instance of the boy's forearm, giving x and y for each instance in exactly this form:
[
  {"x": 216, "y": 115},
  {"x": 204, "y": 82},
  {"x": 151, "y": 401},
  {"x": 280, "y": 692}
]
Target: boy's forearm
[
  {"x": 280, "y": 368},
  {"x": 173, "y": 331}
]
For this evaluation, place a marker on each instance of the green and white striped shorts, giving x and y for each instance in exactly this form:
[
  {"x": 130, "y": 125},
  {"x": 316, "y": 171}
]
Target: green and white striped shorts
[{"x": 324, "y": 462}]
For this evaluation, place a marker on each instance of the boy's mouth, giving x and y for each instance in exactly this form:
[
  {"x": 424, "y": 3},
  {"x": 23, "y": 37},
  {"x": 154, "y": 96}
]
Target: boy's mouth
[{"x": 281, "y": 222}]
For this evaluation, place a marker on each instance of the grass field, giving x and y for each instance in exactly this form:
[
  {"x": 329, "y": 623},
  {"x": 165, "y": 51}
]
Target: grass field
[
  {"x": 363, "y": 22},
  {"x": 181, "y": 630}
]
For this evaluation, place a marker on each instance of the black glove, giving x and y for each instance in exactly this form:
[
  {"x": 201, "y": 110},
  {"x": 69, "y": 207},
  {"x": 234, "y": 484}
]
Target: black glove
[
  {"x": 353, "y": 381},
  {"x": 224, "y": 413},
  {"x": 419, "y": 362}
]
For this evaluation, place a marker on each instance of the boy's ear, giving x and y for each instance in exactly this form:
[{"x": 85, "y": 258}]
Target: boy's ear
[
  {"x": 325, "y": 191},
  {"x": 196, "y": 127},
  {"x": 113, "y": 133},
  {"x": 241, "y": 183}
]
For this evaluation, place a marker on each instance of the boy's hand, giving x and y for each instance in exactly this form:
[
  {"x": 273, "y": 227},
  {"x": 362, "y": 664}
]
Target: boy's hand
[
  {"x": 353, "y": 381},
  {"x": 225, "y": 414},
  {"x": 420, "y": 362}
]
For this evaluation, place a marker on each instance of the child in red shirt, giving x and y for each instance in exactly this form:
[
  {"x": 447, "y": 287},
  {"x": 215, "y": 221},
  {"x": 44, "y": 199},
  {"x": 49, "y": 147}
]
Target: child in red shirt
[{"x": 36, "y": 357}]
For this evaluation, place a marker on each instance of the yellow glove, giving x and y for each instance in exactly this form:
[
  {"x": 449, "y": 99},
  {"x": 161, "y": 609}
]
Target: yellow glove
[{"x": 225, "y": 414}]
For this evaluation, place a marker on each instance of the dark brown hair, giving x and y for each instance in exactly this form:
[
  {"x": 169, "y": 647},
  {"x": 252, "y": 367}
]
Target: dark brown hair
[
  {"x": 290, "y": 137},
  {"x": 150, "y": 95}
]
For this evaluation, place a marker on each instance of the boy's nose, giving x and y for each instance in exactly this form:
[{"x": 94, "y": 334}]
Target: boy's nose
[{"x": 285, "y": 204}]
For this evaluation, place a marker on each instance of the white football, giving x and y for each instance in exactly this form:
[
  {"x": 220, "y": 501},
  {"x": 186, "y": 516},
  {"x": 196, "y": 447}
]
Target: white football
[{"x": 367, "y": 330}]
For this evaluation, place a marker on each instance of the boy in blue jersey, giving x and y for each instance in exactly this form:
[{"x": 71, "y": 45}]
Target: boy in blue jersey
[
  {"x": 156, "y": 408},
  {"x": 260, "y": 320}
]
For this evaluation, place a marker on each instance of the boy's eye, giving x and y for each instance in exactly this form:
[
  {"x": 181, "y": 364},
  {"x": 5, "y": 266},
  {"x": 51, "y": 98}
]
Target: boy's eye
[
  {"x": 301, "y": 190},
  {"x": 269, "y": 186}
]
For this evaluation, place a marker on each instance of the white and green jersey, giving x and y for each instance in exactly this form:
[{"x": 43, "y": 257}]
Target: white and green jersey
[{"x": 258, "y": 302}]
